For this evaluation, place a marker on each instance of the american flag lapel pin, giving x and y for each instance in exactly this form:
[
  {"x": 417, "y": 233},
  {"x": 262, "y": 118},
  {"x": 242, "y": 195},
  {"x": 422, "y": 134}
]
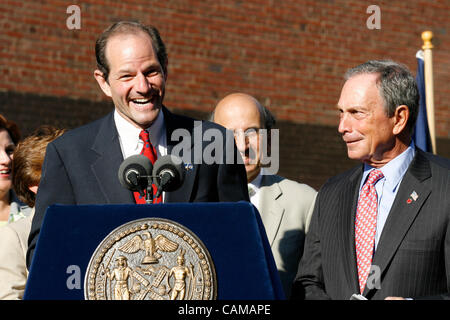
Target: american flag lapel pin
[
  {"x": 412, "y": 196},
  {"x": 188, "y": 166}
]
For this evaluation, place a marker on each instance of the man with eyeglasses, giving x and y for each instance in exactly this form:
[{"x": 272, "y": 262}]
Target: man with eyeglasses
[{"x": 285, "y": 206}]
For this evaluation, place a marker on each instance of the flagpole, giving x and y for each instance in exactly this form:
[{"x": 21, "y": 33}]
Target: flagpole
[{"x": 428, "y": 66}]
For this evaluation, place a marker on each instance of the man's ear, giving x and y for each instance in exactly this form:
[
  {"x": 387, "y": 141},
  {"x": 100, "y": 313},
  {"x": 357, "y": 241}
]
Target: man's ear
[
  {"x": 104, "y": 85},
  {"x": 401, "y": 117}
]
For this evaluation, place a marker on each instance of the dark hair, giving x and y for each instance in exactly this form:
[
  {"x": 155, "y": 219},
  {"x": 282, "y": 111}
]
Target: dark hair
[
  {"x": 396, "y": 84},
  {"x": 11, "y": 127},
  {"x": 267, "y": 118},
  {"x": 128, "y": 27},
  {"x": 28, "y": 159}
]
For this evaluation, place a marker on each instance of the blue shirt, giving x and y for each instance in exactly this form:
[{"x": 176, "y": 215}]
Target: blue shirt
[{"x": 387, "y": 187}]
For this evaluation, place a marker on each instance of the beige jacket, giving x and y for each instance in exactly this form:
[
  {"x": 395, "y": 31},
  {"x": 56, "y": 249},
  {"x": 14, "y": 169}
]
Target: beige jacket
[
  {"x": 13, "y": 248},
  {"x": 286, "y": 207}
]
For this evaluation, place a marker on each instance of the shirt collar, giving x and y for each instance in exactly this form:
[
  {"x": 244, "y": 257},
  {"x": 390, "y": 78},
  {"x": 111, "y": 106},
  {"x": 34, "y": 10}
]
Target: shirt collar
[
  {"x": 128, "y": 132},
  {"x": 395, "y": 169},
  {"x": 18, "y": 209},
  {"x": 157, "y": 129}
]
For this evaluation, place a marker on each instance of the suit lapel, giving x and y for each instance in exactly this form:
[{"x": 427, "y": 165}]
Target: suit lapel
[
  {"x": 272, "y": 210},
  {"x": 107, "y": 146},
  {"x": 174, "y": 122},
  {"x": 347, "y": 209},
  {"x": 403, "y": 212}
]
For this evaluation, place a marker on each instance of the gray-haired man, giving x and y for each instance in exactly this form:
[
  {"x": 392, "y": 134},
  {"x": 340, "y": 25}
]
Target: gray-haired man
[{"x": 380, "y": 229}]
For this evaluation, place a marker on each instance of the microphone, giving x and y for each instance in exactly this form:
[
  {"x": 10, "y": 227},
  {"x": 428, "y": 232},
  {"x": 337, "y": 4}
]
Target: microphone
[
  {"x": 134, "y": 173},
  {"x": 168, "y": 173}
]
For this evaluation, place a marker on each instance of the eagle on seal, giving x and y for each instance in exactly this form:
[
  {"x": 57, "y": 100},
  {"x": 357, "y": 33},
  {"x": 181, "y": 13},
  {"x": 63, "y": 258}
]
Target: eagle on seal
[{"x": 150, "y": 246}]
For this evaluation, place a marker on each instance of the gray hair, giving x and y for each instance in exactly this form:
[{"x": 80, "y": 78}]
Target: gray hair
[{"x": 396, "y": 84}]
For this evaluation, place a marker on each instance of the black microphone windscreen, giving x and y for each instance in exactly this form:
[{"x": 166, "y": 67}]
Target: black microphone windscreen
[
  {"x": 169, "y": 164},
  {"x": 135, "y": 166}
]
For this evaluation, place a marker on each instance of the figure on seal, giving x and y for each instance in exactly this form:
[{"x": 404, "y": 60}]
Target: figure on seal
[
  {"x": 180, "y": 272},
  {"x": 121, "y": 274}
]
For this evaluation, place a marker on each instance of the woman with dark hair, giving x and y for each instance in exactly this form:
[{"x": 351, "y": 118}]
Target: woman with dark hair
[
  {"x": 27, "y": 168},
  {"x": 11, "y": 208}
]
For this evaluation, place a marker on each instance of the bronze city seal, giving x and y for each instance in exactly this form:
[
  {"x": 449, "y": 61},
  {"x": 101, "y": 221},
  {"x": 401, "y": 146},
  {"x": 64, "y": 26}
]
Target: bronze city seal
[{"x": 151, "y": 259}]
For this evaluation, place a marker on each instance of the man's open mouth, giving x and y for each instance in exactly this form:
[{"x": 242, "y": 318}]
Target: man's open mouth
[{"x": 142, "y": 101}]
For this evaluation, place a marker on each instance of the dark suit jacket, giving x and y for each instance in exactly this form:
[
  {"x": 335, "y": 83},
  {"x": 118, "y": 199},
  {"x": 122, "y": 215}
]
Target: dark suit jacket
[
  {"x": 81, "y": 167},
  {"x": 413, "y": 253}
]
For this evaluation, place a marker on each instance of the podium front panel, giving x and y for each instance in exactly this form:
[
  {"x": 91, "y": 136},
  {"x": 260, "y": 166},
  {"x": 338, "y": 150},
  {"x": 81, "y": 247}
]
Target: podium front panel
[{"x": 232, "y": 232}]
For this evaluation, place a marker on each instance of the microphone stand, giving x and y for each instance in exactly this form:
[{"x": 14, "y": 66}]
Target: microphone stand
[{"x": 149, "y": 195}]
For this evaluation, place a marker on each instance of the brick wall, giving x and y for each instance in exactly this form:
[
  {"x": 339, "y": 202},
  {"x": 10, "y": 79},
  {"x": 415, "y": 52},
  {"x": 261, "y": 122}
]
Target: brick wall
[{"x": 290, "y": 54}]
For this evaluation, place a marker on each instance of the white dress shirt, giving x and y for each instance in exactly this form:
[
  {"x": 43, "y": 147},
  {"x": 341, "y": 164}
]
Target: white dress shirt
[
  {"x": 254, "y": 188},
  {"x": 131, "y": 144}
]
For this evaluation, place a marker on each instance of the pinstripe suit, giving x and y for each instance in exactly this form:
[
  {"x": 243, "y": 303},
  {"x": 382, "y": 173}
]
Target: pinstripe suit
[{"x": 413, "y": 254}]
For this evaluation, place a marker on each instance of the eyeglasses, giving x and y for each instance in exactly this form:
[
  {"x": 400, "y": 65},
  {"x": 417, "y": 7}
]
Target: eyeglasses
[{"x": 247, "y": 134}]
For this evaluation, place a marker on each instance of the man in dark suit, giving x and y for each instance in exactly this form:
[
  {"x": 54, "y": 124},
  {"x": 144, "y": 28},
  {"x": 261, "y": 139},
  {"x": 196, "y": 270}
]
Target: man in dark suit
[
  {"x": 381, "y": 229},
  {"x": 81, "y": 167}
]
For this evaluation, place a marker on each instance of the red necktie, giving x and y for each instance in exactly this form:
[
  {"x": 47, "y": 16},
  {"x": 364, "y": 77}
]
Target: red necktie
[
  {"x": 365, "y": 226},
  {"x": 149, "y": 151}
]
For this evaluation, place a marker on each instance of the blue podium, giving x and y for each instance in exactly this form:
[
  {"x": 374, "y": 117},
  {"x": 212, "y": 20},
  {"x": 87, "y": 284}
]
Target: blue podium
[{"x": 232, "y": 233}]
